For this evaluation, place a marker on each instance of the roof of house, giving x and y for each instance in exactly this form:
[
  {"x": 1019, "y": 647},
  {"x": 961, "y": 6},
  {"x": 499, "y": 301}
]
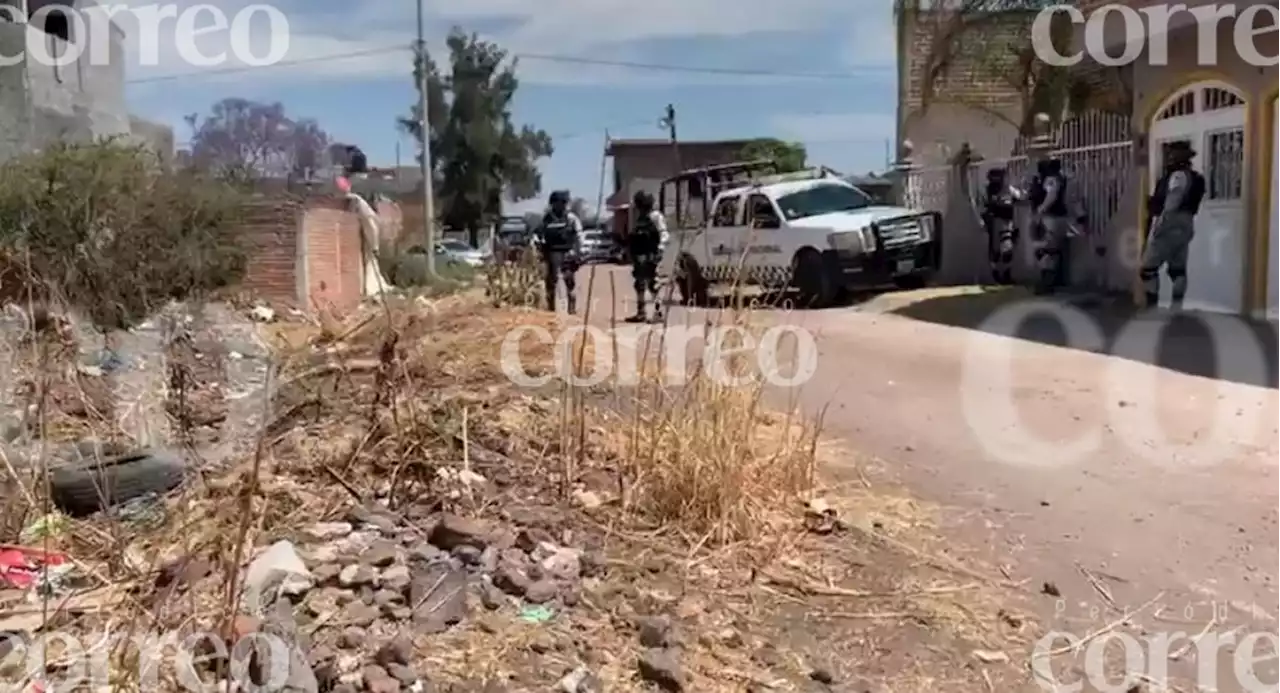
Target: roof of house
[{"x": 615, "y": 145}]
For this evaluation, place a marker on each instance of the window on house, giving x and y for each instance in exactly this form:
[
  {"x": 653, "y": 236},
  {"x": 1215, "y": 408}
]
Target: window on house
[{"x": 1224, "y": 165}]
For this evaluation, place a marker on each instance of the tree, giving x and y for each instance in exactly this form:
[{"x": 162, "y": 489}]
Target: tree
[
  {"x": 990, "y": 41},
  {"x": 481, "y": 157},
  {"x": 790, "y": 156},
  {"x": 243, "y": 140}
]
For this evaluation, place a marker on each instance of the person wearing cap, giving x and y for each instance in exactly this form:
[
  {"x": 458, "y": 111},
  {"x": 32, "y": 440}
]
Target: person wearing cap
[
  {"x": 645, "y": 246},
  {"x": 1171, "y": 208},
  {"x": 559, "y": 238}
]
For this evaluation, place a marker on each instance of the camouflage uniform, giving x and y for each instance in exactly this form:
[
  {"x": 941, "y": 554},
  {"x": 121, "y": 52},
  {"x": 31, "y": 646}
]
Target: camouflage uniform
[
  {"x": 1172, "y": 210},
  {"x": 558, "y": 237}
]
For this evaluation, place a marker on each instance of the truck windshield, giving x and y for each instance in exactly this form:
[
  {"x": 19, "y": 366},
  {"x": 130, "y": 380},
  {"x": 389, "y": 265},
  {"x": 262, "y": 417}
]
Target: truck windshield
[{"x": 822, "y": 199}]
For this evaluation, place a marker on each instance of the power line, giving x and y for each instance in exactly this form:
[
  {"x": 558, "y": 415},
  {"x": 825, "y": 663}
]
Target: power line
[
  {"x": 347, "y": 55},
  {"x": 565, "y": 59},
  {"x": 698, "y": 69}
]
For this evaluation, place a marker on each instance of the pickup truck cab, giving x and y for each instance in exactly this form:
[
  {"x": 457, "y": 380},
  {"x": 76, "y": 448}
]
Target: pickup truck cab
[{"x": 815, "y": 233}]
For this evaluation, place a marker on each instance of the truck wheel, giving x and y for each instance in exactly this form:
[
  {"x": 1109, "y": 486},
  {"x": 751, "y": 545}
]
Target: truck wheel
[
  {"x": 691, "y": 283},
  {"x": 809, "y": 277},
  {"x": 911, "y": 282}
]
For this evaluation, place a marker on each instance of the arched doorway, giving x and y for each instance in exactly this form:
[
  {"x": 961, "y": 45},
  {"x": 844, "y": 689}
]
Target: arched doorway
[{"x": 1210, "y": 116}]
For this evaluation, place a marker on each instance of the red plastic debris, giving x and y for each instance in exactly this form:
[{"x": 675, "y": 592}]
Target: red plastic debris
[{"x": 20, "y": 565}]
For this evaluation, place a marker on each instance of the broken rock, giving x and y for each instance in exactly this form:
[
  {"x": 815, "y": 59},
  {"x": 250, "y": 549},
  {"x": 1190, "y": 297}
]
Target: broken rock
[
  {"x": 662, "y": 668},
  {"x": 453, "y": 531},
  {"x": 277, "y": 571}
]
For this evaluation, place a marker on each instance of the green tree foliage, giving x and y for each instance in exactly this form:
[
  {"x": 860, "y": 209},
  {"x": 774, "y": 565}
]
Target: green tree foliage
[
  {"x": 105, "y": 229},
  {"x": 480, "y": 155},
  {"x": 790, "y": 156}
]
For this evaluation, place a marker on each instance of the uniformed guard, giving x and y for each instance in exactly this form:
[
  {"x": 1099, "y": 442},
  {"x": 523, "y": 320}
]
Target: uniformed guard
[
  {"x": 1172, "y": 209},
  {"x": 645, "y": 247},
  {"x": 1052, "y": 213},
  {"x": 559, "y": 237},
  {"x": 998, "y": 203}
]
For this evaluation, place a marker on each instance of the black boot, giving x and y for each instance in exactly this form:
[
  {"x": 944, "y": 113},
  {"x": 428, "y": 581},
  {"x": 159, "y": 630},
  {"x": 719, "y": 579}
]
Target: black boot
[
  {"x": 1153, "y": 300},
  {"x": 640, "y": 315},
  {"x": 572, "y": 304}
]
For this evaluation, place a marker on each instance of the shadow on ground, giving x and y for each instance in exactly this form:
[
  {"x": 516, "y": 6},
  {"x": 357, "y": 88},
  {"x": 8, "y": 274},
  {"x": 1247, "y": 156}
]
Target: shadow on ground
[{"x": 1213, "y": 346}]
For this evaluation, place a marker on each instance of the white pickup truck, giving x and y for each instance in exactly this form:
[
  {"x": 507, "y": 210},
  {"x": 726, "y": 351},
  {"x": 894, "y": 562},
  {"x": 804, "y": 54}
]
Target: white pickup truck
[{"x": 815, "y": 233}]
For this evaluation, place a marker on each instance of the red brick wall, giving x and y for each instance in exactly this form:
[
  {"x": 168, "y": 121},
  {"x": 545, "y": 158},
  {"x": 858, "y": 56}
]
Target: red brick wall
[
  {"x": 390, "y": 223},
  {"x": 333, "y": 255},
  {"x": 277, "y": 229},
  {"x": 270, "y": 234}
]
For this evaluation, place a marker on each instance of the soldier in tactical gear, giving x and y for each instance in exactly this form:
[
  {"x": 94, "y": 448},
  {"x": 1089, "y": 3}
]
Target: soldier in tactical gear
[
  {"x": 1171, "y": 222},
  {"x": 1051, "y": 210},
  {"x": 558, "y": 238},
  {"x": 645, "y": 247},
  {"x": 999, "y": 199}
]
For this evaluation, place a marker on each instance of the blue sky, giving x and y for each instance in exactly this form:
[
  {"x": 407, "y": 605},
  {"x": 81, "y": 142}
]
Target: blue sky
[{"x": 845, "y": 118}]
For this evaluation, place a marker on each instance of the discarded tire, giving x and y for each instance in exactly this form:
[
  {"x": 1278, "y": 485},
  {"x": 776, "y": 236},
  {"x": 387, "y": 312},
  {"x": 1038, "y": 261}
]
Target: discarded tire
[{"x": 84, "y": 488}]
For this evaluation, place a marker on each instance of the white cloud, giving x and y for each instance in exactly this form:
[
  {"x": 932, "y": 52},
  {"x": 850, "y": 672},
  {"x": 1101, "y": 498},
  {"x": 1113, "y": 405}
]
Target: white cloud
[
  {"x": 595, "y": 29},
  {"x": 816, "y": 128}
]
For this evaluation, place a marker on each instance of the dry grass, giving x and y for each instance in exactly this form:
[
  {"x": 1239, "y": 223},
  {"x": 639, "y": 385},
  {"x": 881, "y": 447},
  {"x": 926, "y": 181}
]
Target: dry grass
[{"x": 699, "y": 477}]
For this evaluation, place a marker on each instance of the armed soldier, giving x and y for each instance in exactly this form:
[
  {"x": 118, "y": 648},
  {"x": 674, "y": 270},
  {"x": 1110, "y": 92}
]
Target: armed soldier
[
  {"x": 1172, "y": 209},
  {"x": 999, "y": 200},
  {"x": 1056, "y": 212},
  {"x": 559, "y": 239},
  {"x": 645, "y": 245}
]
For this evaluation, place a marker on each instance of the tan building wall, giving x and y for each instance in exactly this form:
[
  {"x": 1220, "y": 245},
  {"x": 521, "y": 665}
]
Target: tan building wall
[{"x": 1155, "y": 85}]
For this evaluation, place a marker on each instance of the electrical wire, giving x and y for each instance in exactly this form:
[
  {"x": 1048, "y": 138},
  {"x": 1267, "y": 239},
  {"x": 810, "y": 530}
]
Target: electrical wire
[
  {"x": 347, "y": 55},
  {"x": 567, "y": 59}
]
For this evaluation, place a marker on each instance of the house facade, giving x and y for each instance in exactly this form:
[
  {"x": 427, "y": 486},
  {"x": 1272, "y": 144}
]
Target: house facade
[
  {"x": 1227, "y": 112},
  {"x": 40, "y": 104},
  {"x": 644, "y": 164}
]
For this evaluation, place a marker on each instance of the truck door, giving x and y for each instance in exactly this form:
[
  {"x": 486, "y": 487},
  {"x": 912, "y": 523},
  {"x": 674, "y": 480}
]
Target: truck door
[
  {"x": 762, "y": 238},
  {"x": 720, "y": 243}
]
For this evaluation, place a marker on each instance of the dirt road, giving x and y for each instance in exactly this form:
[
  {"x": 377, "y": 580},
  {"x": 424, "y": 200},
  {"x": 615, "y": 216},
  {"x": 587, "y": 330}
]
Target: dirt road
[{"x": 1145, "y": 508}]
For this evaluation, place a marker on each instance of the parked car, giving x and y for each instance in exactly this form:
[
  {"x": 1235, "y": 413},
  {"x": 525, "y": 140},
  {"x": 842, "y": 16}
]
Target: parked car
[
  {"x": 598, "y": 246},
  {"x": 454, "y": 252}
]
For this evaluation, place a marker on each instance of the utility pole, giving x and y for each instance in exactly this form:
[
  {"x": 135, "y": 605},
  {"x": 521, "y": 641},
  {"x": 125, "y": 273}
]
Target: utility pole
[
  {"x": 428, "y": 185},
  {"x": 669, "y": 122}
]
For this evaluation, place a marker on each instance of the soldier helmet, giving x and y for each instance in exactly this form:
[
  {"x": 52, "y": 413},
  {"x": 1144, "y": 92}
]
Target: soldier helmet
[
  {"x": 642, "y": 198},
  {"x": 560, "y": 197}
]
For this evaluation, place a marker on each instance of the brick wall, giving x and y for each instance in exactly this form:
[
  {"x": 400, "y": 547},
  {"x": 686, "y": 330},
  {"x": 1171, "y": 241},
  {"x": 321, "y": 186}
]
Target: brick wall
[
  {"x": 390, "y": 223},
  {"x": 271, "y": 239},
  {"x": 304, "y": 254}
]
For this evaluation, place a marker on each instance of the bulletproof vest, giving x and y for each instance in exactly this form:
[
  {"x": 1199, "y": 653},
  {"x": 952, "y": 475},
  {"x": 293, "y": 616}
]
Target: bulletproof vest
[
  {"x": 645, "y": 237},
  {"x": 1191, "y": 199},
  {"x": 1039, "y": 193},
  {"x": 557, "y": 232},
  {"x": 999, "y": 204}
]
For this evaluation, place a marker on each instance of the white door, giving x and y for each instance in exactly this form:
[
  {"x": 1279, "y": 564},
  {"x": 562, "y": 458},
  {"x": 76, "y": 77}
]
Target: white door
[{"x": 1210, "y": 118}]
